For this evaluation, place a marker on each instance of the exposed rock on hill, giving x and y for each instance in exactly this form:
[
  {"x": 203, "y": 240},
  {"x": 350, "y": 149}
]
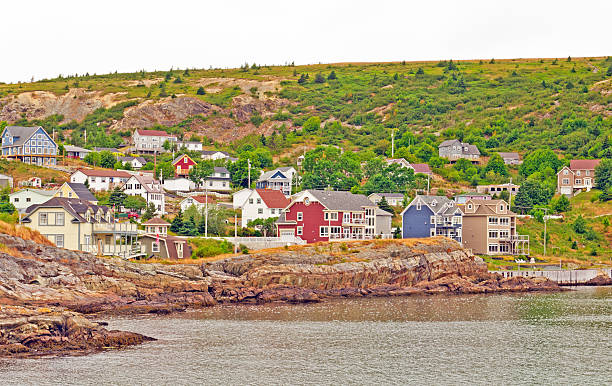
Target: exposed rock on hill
[{"x": 75, "y": 104}]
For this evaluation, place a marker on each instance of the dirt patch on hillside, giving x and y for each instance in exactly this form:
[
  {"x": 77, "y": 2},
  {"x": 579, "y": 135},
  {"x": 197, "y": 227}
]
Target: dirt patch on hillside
[
  {"x": 213, "y": 85},
  {"x": 76, "y": 104},
  {"x": 144, "y": 82}
]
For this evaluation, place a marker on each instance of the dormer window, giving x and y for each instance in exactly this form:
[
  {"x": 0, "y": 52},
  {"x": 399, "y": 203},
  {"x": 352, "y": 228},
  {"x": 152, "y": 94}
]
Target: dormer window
[
  {"x": 469, "y": 206},
  {"x": 433, "y": 203},
  {"x": 418, "y": 205}
]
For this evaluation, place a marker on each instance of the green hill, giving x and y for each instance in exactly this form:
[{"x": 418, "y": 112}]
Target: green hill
[{"x": 499, "y": 105}]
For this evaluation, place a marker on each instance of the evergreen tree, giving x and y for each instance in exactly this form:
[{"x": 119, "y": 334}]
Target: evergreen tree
[
  {"x": 562, "y": 204},
  {"x": 319, "y": 78},
  {"x": 384, "y": 205},
  {"x": 303, "y": 79},
  {"x": 332, "y": 75},
  {"x": 117, "y": 197},
  {"x": 202, "y": 225},
  {"x": 201, "y": 91},
  {"x": 420, "y": 71},
  {"x": 150, "y": 212},
  {"x": 177, "y": 222}
]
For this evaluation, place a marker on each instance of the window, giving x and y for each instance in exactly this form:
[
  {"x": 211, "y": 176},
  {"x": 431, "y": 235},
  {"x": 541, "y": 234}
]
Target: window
[
  {"x": 155, "y": 246},
  {"x": 492, "y": 234},
  {"x": 432, "y": 219},
  {"x": 179, "y": 250},
  {"x": 87, "y": 239},
  {"x": 578, "y": 172},
  {"x": 504, "y": 248},
  {"x": 346, "y": 217},
  {"x": 418, "y": 205},
  {"x": 504, "y": 221},
  {"x": 59, "y": 241},
  {"x": 259, "y": 210},
  {"x": 565, "y": 181},
  {"x": 432, "y": 232},
  {"x": 272, "y": 211},
  {"x": 565, "y": 172},
  {"x": 259, "y": 200},
  {"x": 16, "y": 199},
  {"x": 300, "y": 230},
  {"x": 457, "y": 220},
  {"x": 493, "y": 248},
  {"x": 503, "y": 234},
  {"x": 323, "y": 231},
  {"x": 300, "y": 216},
  {"x": 578, "y": 181},
  {"x": 59, "y": 218},
  {"x": 492, "y": 220},
  {"x": 43, "y": 219},
  {"x": 587, "y": 172},
  {"x": 333, "y": 216},
  {"x": 469, "y": 206},
  {"x": 28, "y": 199}
]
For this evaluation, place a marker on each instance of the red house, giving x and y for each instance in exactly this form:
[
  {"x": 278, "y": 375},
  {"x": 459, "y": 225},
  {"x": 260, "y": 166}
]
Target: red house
[
  {"x": 182, "y": 165},
  {"x": 317, "y": 215}
]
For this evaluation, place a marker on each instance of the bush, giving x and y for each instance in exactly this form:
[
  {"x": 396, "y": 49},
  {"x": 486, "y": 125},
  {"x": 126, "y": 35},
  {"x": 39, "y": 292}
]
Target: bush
[
  {"x": 201, "y": 91},
  {"x": 580, "y": 225},
  {"x": 244, "y": 249},
  {"x": 210, "y": 247}
]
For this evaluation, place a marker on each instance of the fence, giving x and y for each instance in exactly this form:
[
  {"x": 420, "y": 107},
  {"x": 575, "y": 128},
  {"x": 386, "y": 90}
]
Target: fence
[{"x": 574, "y": 276}]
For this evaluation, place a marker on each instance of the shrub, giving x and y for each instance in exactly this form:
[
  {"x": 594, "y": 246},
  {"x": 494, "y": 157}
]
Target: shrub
[
  {"x": 210, "y": 247},
  {"x": 319, "y": 78},
  {"x": 244, "y": 249},
  {"x": 580, "y": 225},
  {"x": 201, "y": 91}
]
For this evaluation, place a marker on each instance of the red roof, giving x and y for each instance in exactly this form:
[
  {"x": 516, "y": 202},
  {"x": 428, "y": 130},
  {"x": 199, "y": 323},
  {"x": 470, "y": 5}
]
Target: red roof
[
  {"x": 202, "y": 199},
  {"x": 152, "y": 133},
  {"x": 104, "y": 173},
  {"x": 584, "y": 164},
  {"x": 421, "y": 168},
  {"x": 273, "y": 198}
]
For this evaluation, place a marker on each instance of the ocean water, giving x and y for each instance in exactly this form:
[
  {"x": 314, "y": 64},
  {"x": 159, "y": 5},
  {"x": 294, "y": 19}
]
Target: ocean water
[{"x": 534, "y": 338}]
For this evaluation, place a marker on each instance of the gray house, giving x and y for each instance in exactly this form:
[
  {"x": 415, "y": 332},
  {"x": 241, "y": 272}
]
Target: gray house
[
  {"x": 511, "y": 158},
  {"x": 429, "y": 216},
  {"x": 453, "y": 149}
]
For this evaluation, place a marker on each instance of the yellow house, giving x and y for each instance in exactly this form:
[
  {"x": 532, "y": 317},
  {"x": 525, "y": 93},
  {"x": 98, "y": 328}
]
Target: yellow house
[
  {"x": 82, "y": 226},
  {"x": 76, "y": 190}
]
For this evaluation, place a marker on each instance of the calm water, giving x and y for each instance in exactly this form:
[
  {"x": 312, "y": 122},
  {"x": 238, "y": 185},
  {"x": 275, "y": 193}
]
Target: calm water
[{"x": 495, "y": 339}]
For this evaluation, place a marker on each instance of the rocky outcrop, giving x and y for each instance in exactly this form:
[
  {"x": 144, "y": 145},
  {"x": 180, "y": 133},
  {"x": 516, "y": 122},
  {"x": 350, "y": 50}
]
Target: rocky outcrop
[
  {"x": 51, "y": 287},
  {"x": 600, "y": 279},
  {"x": 28, "y": 332},
  {"x": 75, "y": 104}
]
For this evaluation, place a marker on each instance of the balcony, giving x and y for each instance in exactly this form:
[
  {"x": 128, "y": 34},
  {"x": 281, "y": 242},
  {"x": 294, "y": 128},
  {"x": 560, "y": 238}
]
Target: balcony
[
  {"x": 118, "y": 227},
  {"x": 122, "y": 250},
  {"x": 354, "y": 221}
]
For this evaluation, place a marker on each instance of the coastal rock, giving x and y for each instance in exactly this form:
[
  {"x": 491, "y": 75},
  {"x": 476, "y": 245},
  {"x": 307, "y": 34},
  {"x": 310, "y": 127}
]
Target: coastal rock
[{"x": 600, "y": 279}]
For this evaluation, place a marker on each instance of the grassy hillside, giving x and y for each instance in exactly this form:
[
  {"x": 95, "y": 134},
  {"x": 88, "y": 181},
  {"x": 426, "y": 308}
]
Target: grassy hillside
[
  {"x": 565, "y": 242},
  {"x": 509, "y": 105}
]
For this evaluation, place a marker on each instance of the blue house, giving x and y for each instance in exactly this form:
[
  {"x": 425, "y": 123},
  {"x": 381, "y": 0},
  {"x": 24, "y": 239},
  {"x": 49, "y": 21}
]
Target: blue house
[
  {"x": 31, "y": 145},
  {"x": 428, "y": 216}
]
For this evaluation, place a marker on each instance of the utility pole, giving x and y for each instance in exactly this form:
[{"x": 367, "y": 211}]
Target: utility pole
[
  {"x": 249, "y": 161},
  {"x": 428, "y": 184},
  {"x": 235, "y": 232},
  {"x": 392, "y": 143},
  {"x": 206, "y": 210}
]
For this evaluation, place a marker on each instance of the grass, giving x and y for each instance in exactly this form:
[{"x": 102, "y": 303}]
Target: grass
[
  {"x": 24, "y": 233},
  {"x": 21, "y": 171}
]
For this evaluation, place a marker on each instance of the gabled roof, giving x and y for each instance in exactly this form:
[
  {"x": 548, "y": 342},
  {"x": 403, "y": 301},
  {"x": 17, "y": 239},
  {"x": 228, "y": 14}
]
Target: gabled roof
[
  {"x": 341, "y": 201},
  {"x": 24, "y": 133},
  {"x": 169, "y": 242},
  {"x": 156, "y": 221},
  {"x": 486, "y": 207},
  {"x": 440, "y": 205},
  {"x": 81, "y": 191},
  {"x": 584, "y": 164},
  {"x": 104, "y": 173},
  {"x": 509, "y": 155},
  {"x": 76, "y": 149},
  {"x": 380, "y": 212},
  {"x": 211, "y": 152},
  {"x": 273, "y": 198},
  {"x": 42, "y": 192},
  {"x": 448, "y": 142},
  {"x": 221, "y": 169},
  {"x": 147, "y": 182},
  {"x": 269, "y": 174},
  {"x": 202, "y": 199},
  {"x": 180, "y": 157},
  {"x": 421, "y": 168},
  {"x": 152, "y": 133},
  {"x": 388, "y": 195},
  {"x": 74, "y": 206},
  {"x": 131, "y": 158}
]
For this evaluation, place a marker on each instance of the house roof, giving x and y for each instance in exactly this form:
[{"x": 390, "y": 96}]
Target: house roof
[
  {"x": 156, "y": 221},
  {"x": 509, "y": 155},
  {"x": 437, "y": 204},
  {"x": 473, "y": 195},
  {"x": 180, "y": 157},
  {"x": 24, "y": 133},
  {"x": 202, "y": 199},
  {"x": 104, "y": 173},
  {"x": 380, "y": 212},
  {"x": 111, "y": 149},
  {"x": 152, "y": 133},
  {"x": 170, "y": 241},
  {"x": 341, "y": 201},
  {"x": 43, "y": 192},
  {"x": 148, "y": 183},
  {"x": 448, "y": 142},
  {"x": 131, "y": 158},
  {"x": 389, "y": 195},
  {"x": 267, "y": 175},
  {"x": 486, "y": 207},
  {"x": 473, "y": 149},
  {"x": 211, "y": 152},
  {"x": 81, "y": 191},
  {"x": 584, "y": 164},
  {"x": 221, "y": 169},
  {"x": 273, "y": 198},
  {"x": 75, "y": 149},
  {"x": 74, "y": 206},
  {"x": 421, "y": 168},
  {"x": 282, "y": 219}
]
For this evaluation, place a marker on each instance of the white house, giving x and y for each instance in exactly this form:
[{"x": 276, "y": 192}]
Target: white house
[
  {"x": 240, "y": 197},
  {"x": 151, "y": 141},
  {"x": 179, "y": 185},
  {"x": 98, "y": 179},
  {"x": 393, "y": 199},
  {"x": 198, "y": 201},
  {"x": 135, "y": 162},
  {"x": 189, "y": 145},
  {"x": 263, "y": 203},
  {"x": 34, "y": 182},
  {"x": 277, "y": 179},
  {"x": 75, "y": 152},
  {"x": 214, "y": 155},
  {"x": 148, "y": 188},
  {"x": 22, "y": 199},
  {"x": 219, "y": 181}
]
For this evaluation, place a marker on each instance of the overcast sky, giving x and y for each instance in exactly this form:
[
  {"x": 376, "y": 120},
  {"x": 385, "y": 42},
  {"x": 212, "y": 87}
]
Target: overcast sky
[{"x": 46, "y": 38}]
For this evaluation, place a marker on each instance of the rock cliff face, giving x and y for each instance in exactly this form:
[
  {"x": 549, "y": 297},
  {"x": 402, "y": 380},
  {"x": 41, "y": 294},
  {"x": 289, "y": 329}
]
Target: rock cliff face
[{"x": 44, "y": 288}]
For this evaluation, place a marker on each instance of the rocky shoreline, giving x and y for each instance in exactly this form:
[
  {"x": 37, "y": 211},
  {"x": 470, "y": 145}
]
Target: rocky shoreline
[{"x": 45, "y": 292}]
